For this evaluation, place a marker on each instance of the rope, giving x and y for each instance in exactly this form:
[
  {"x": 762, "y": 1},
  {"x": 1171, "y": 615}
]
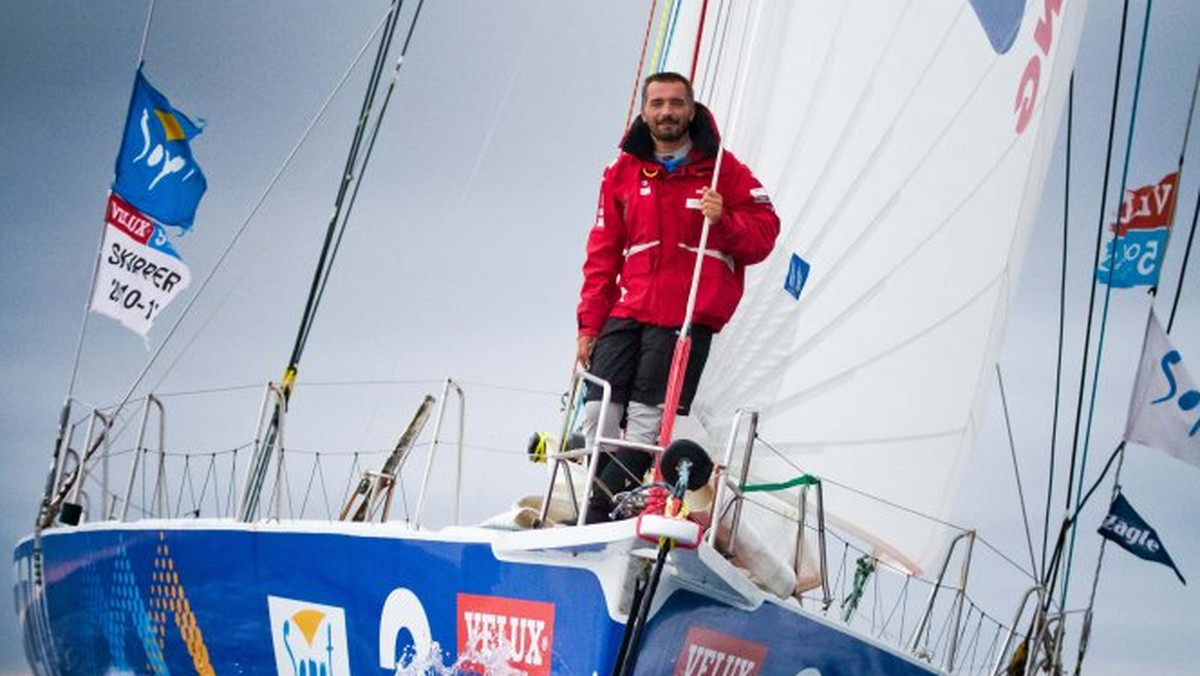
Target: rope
[
  {"x": 716, "y": 50},
  {"x": 245, "y": 224},
  {"x": 663, "y": 21},
  {"x": 1108, "y": 288},
  {"x": 469, "y": 185},
  {"x": 1192, "y": 234},
  {"x": 362, "y": 169},
  {"x": 336, "y": 222},
  {"x": 312, "y": 476},
  {"x": 1087, "y": 333},
  {"x": 96, "y": 267},
  {"x": 637, "y": 80},
  {"x": 1083, "y": 642},
  {"x": 1012, "y": 448},
  {"x": 291, "y": 154},
  {"x": 1183, "y": 270},
  {"x": 699, "y": 37},
  {"x": 1062, "y": 322},
  {"x": 861, "y": 493},
  {"x": 670, "y": 36}
]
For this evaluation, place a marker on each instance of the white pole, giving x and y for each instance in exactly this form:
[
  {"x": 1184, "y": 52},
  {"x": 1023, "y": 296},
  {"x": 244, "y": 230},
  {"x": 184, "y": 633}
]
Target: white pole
[{"x": 739, "y": 76}]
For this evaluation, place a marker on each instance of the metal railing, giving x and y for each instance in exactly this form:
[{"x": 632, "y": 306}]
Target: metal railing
[
  {"x": 437, "y": 429},
  {"x": 601, "y": 444},
  {"x": 222, "y": 483}
]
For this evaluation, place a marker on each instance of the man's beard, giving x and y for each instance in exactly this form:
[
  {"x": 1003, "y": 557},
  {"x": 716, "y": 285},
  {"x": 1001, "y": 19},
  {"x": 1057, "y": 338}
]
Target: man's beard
[{"x": 671, "y": 135}]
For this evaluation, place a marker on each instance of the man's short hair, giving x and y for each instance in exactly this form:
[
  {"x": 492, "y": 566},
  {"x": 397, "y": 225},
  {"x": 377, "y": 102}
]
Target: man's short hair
[{"x": 668, "y": 76}]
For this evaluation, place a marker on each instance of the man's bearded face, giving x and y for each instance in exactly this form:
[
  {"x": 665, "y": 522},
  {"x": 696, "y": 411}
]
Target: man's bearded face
[{"x": 668, "y": 111}]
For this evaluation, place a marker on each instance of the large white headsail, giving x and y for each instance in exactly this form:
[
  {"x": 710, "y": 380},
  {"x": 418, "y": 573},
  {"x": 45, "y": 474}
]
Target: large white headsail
[{"x": 905, "y": 145}]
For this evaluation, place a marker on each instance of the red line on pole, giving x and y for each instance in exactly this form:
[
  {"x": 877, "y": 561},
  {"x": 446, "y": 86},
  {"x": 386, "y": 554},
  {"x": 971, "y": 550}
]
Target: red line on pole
[{"x": 699, "y": 34}]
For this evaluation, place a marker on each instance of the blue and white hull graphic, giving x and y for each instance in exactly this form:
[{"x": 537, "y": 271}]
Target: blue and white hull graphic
[{"x": 217, "y": 597}]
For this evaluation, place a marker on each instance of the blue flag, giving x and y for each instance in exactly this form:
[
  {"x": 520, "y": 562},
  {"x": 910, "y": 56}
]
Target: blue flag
[
  {"x": 1136, "y": 261},
  {"x": 155, "y": 170},
  {"x": 1125, "y": 527},
  {"x": 1140, "y": 234},
  {"x": 796, "y": 277}
]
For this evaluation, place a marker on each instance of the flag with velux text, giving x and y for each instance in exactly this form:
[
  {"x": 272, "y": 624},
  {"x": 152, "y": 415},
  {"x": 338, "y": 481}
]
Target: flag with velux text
[
  {"x": 139, "y": 271},
  {"x": 1140, "y": 235}
]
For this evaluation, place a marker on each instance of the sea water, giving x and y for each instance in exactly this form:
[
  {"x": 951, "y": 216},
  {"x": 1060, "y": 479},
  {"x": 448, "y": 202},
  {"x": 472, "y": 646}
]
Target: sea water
[{"x": 491, "y": 660}]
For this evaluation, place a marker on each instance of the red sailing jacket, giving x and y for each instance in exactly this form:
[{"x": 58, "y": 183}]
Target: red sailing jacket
[{"x": 642, "y": 247}]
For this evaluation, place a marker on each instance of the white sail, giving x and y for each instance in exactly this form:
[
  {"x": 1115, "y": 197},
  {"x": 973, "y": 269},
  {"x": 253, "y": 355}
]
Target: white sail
[{"x": 905, "y": 146}]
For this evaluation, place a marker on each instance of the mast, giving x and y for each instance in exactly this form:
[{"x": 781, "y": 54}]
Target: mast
[{"x": 353, "y": 171}]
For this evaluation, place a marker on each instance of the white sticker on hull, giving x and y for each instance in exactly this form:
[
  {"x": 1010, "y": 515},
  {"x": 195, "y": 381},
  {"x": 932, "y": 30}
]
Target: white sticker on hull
[{"x": 309, "y": 638}]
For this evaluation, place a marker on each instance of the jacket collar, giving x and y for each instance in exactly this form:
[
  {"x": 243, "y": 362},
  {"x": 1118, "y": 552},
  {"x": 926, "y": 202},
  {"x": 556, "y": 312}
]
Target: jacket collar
[{"x": 702, "y": 130}]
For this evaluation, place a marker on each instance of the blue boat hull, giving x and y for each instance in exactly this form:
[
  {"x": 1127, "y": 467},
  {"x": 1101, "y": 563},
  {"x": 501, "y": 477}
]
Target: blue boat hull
[{"x": 166, "y": 598}]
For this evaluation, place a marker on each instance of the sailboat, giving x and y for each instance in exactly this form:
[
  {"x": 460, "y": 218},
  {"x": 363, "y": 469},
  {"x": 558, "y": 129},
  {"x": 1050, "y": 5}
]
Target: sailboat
[{"x": 897, "y": 161}]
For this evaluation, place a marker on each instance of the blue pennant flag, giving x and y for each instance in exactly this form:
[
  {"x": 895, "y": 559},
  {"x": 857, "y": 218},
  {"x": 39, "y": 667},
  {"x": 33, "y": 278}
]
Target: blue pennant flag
[
  {"x": 155, "y": 171},
  {"x": 796, "y": 277},
  {"x": 1125, "y": 527}
]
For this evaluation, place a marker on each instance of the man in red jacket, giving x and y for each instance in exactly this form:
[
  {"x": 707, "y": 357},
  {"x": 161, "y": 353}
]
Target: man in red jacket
[{"x": 640, "y": 257}]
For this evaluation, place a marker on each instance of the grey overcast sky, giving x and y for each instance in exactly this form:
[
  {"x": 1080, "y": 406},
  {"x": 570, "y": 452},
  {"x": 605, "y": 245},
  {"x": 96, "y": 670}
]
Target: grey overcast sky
[{"x": 462, "y": 259}]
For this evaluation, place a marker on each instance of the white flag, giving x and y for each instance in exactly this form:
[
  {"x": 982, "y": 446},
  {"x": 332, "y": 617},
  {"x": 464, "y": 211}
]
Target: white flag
[
  {"x": 139, "y": 272},
  {"x": 1164, "y": 411}
]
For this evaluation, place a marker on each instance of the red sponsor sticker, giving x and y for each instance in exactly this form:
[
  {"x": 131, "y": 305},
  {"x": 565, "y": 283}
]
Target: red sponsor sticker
[
  {"x": 521, "y": 630},
  {"x": 709, "y": 653},
  {"x": 123, "y": 216}
]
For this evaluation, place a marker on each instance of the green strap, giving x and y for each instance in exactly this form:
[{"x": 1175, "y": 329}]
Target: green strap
[
  {"x": 863, "y": 569},
  {"x": 803, "y": 480}
]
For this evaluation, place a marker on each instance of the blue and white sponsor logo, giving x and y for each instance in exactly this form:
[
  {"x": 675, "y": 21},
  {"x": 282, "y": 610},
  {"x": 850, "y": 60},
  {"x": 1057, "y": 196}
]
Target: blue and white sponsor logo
[
  {"x": 155, "y": 170},
  {"x": 309, "y": 638}
]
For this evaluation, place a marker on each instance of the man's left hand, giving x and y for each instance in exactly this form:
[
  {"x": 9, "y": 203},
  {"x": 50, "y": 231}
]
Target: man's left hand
[{"x": 711, "y": 205}]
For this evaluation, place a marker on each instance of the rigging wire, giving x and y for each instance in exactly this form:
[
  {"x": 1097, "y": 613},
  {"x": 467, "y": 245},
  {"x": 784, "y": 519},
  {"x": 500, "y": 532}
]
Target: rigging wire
[
  {"x": 1087, "y": 621},
  {"x": 1012, "y": 447},
  {"x": 359, "y": 174},
  {"x": 237, "y": 235},
  {"x": 336, "y": 222},
  {"x": 1179, "y": 182},
  {"x": 186, "y": 311},
  {"x": 1062, "y": 322},
  {"x": 1087, "y": 333},
  {"x": 1108, "y": 287},
  {"x": 903, "y": 508},
  {"x": 716, "y": 52},
  {"x": 1183, "y": 270},
  {"x": 145, "y": 33},
  {"x": 469, "y": 185},
  {"x": 96, "y": 267},
  {"x": 883, "y": 501},
  {"x": 374, "y": 136}
]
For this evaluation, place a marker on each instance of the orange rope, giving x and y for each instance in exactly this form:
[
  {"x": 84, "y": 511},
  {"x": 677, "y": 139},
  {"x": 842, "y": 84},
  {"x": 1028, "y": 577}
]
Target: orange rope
[
  {"x": 699, "y": 35},
  {"x": 641, "y": 63}
]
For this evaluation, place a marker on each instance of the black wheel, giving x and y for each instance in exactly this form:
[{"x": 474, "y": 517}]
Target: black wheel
[{"x": 686, "y": 449}]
